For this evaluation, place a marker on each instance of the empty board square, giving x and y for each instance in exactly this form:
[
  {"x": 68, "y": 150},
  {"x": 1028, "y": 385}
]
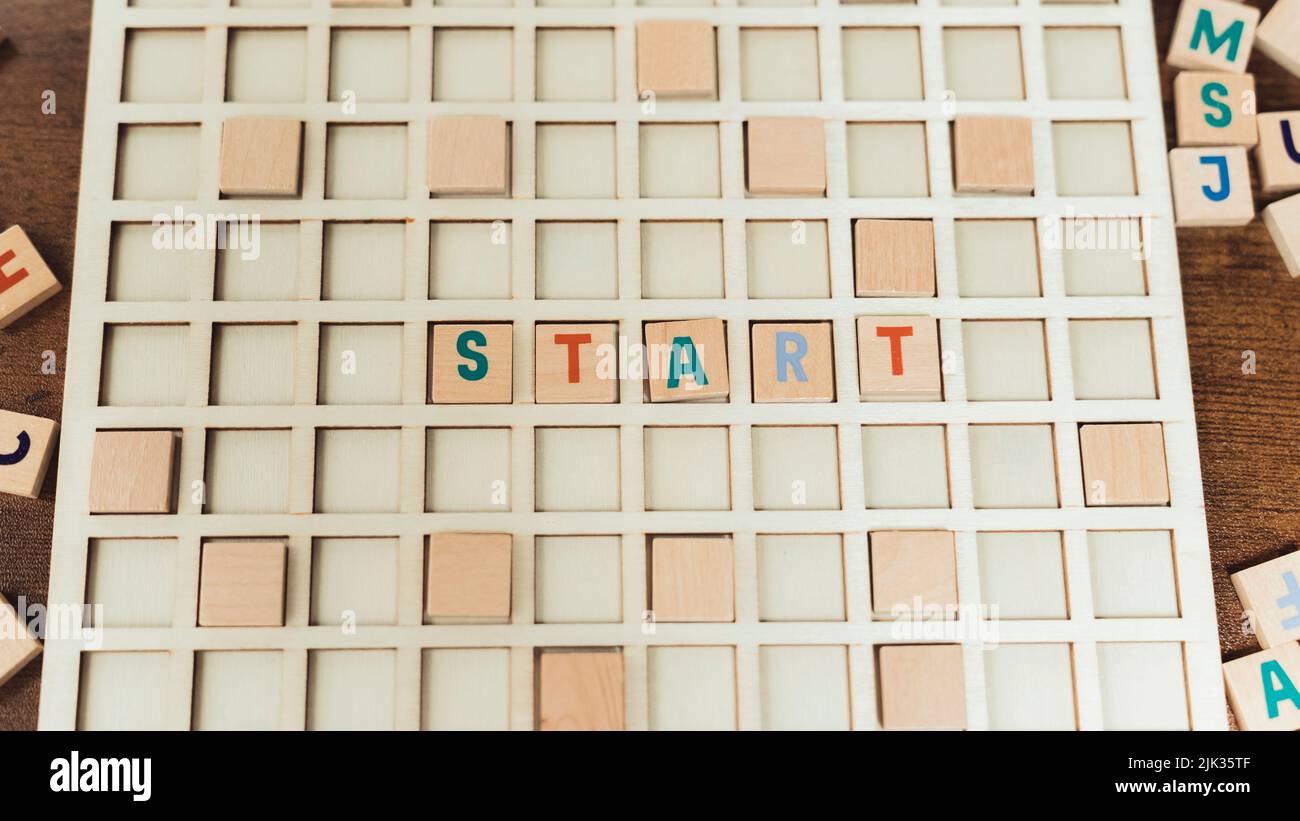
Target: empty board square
[
  {"x": 26, "y": 450},
  {"x": 680, "y": 160},
  {"x": 131, "y": 471},
  {"x": 893, "y": 257},
  {"x": 1022, "y": 575},
  {"x": 133, "y": 580},
  {"x": 1270, "y": 592},
  {"x": 1213, "y": 108},
  {"x": 351, "y": 689},
  {"x": 691, "y": 688},
  {"x": 138, "y": 272},
  {"x": 363, "y": 260},
  {"x": 1006, "y": 360},
  {"x": 1084, "y": 64},
  {"x": 144, "y": 365},
  {"x": 905, "y": 466},
  {"x": 1211, "y": 187},
  {"x": 800, "y": 577},
  {"x": 123, "y": 691},
  {"x": 687, "y": 469},
  {"x": 887, "y": 160},
  {"x": 792, "y": 362},
  {"x": 365, "y": 162},
  {"x": 469, "y": 260},
  {"x": 577, "y": 469},
  {"x": 687, "y": 360},
  {"x": 266, "y": 65},
  {"x": 467, "y": 470},
  {"x": 1262, "y": 690},
  {"x": 1093, "y": 159},
  {"x": 247, "y": 471},
  {"x": 163, "y": 66},
  {"x": 471, "y": 364},
  {"x": 577, "y": 260},
  {"x": 1213, "y": 34},
  {"x": 922, "y": 687},
  {"x": 473, "y": 64},
  {"x": 575, "y": 161},
  {"x": 237, "y": 690},
  {"x": 252, "y": 364},
  {"x": 360, "y": 365},
  {"x": 157, "y": 162},
  {"x": 676, "y": 58},
  {"x": 692, "y": 578},
  {"x": 369, "y": 65},
  {"x": 354, "y": 581},
  {"x": 1133, "y": 575},
  {"x": 787, "y": 259},
  {"x": 779, "y": 64},
  {"x": 1124, "y": 464},
  {"x": 358, "y": 470},
  {"x": 1277, "y": 155},
  {"x": 983, "y": 63},
  {"x": 465, "y": 689},
  {"x": 1013, "y": 466},
  {"x": 1112, "y": 359},
  {"x": 1030, "y": 687},
  {"x": 1106, "y": 268},
  {"x": 575, "y": 65},
  {"x": 469, "y": 156},
  {"x": 578, "y": 579},
  {"x": 1143, "y": 685},
  {"x": 260, "y": 156},
  {"x": 993, "y": 155},
  {"x": 997, "y": 258},
  {"x": 682, "y": 260},
  {"x": 580, "y": 689},
  {"x": 468, "y": 576},
  {"x": 796, "y": 468},
  {"x": 241, "y": 584},
  {"x": 785, "y": 156},
  {"x": 804, "y": 688},
  {"x": 898, "y": 359},
  {"x": 913, "y": 574},
  {"x": 271, "y": 274},
  {"x": 882, "y": 64},
  {"x": 572, "y": 363}
]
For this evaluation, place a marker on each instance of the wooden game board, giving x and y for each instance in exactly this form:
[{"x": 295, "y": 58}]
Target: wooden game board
[{"x": 150, "y": 347}]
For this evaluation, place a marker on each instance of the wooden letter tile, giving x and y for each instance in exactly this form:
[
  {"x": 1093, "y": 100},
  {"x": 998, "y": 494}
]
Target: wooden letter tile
[
  {"x": 1211, "y": 187},
  {"x": 993, "y": 155},
  {"x": 566, "y": 363},
  {"x": 911, "y": 569},
  {"x": 687, "y": 359},
  {"x": 1278, "y": 152},
  {"x": 1264, "y": 688},
  {"x": 692, "y": 578},
  {"x": 580, "y": 690},
  {"x": 1270, "y": 592},
  {"x": 260, "y": 156},
  {"x": 1279, "y": 35},
  {"x": 893, "y": 257},
  {"x": 472, "y": 364},
  {"x": 793, "y": 362},
  {"x": 469, "y": 156},
  {"x": 241, "y": 584},
  {"x": 786, "y": 156},
  {"x": 25, "y": 279},
  {"x": 1216, "y": 35},
  {"x": 898, "y": 359},
  {"x": 676, "y": 58},
  {"x": 26, "y": 444},
  {"x": 1215, "y": 108},
  {"x": 17, "y": 644},
  {"x": 131, "y": 471},
  {"x": 468, "y": 576},
  {"x": 1283, "y": 221},
  {"x": 1124, "y": 464},
  {"x": 922, "y": 687}
]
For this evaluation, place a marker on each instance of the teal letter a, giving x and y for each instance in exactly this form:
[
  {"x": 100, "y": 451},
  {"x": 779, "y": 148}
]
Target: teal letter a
[
  {"x": 685, "y": 346},
  {"x": 1271, "y": 671}
]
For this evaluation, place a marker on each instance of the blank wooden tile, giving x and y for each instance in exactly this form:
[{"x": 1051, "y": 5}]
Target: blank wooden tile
[
  {"x": 1013, "y": 466},
  {"x": 983, "y": 63},
  {"x": 1214, "y": 35},
  {"x": 575, "y": 64},
  {"x": 888, "y": 160},
  {"x": 473, "y": 64},
  {"x": 18, "y": 645},
  {"x": 25, "y": 279},
  {"x": 237, "y": 690},
  {"x": 1143, "y": 685},
  {"x": 123, "y": 691},
  {"x": 241, "y": 584},
  {"x": 687, "y": 359},
  {"x": 779, "y": 64},
  {"x": 466, "y": 689},
  {"x": 1279, "y": 35},
  {"x": 247, "y": 471},
  {"x": 580, "y": 690},
  {"x": 1211, "y": 187},
  {"x": 1030, "y": 687},
  {"x": 787, "y": 259},
  {"x": 804, "y": 687},
  {"x": 687, "y": 468},
  {"x": 1283, "y": 221},
  {"x": 353, "y": 581},
  {"x": 1133, "y": 575},
  {"x": 905, "y": 466},
  {"x": 1270, "y": 592},
  {"x": 898, "y": 358},
  {"x": 1214, "y": 108},
  {"x": 1022, "y": 575},
  {"x": 566, "y": 363},
  {"x": 676, "y": 58},
  {"x": 134, "y": 580},
  {"x": 1006, "y": 360},
  {"x": 691, "y": 688},
  {"x": 680, "y": 160},
  {"x": 1093, "y": 159},
  {"x": 997, "y": 258},
  {"x": 692, "y": 578},
  {"x": 882, "y": 64},
  {"x": 786, "y": 156},
  {"x": 577, "y": 469},
  {"x": 1278, "y": 152},
  {"x": 793, "y": 362},
  {"x": 796, "y": 467},
  {"x": 351, "y": 689},
  {"x": 913, "y": 573},
  {"x": 800, "y": 577},
  {"x": 468, "y": 576},
  {"x": 26, "y": 445},
  {"x": 472, "y": 364},
  {"x": 993, "y": 155},
  {"x": 469, "y": 156},
  {"x": 1084, "y": 63},
  {"x": 1112, "y": 359},
  {"x": 260, "y": 156},
  {"x": 1263, "y": 688},
  {"x": 131, "y": 471},
  {"x": 467, "y": 470},
  {"x": 922, "y": 687},
  {"x": 578, "y": 579},
  {"x": 893, "y": 257},
  {"x": 1124, "y": 464}
]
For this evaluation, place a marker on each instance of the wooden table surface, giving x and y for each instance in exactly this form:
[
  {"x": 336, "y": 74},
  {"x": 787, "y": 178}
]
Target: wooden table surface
[{"x": 1237, "y": 295}]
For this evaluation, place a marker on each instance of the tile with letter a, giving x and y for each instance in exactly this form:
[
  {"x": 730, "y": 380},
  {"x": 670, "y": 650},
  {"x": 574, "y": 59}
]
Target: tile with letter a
[{"x": 1264, "y": 688}]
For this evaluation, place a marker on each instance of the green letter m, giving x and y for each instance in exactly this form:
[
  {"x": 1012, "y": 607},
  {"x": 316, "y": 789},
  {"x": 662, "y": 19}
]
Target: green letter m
[{"x": 1205, "y": 31}]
